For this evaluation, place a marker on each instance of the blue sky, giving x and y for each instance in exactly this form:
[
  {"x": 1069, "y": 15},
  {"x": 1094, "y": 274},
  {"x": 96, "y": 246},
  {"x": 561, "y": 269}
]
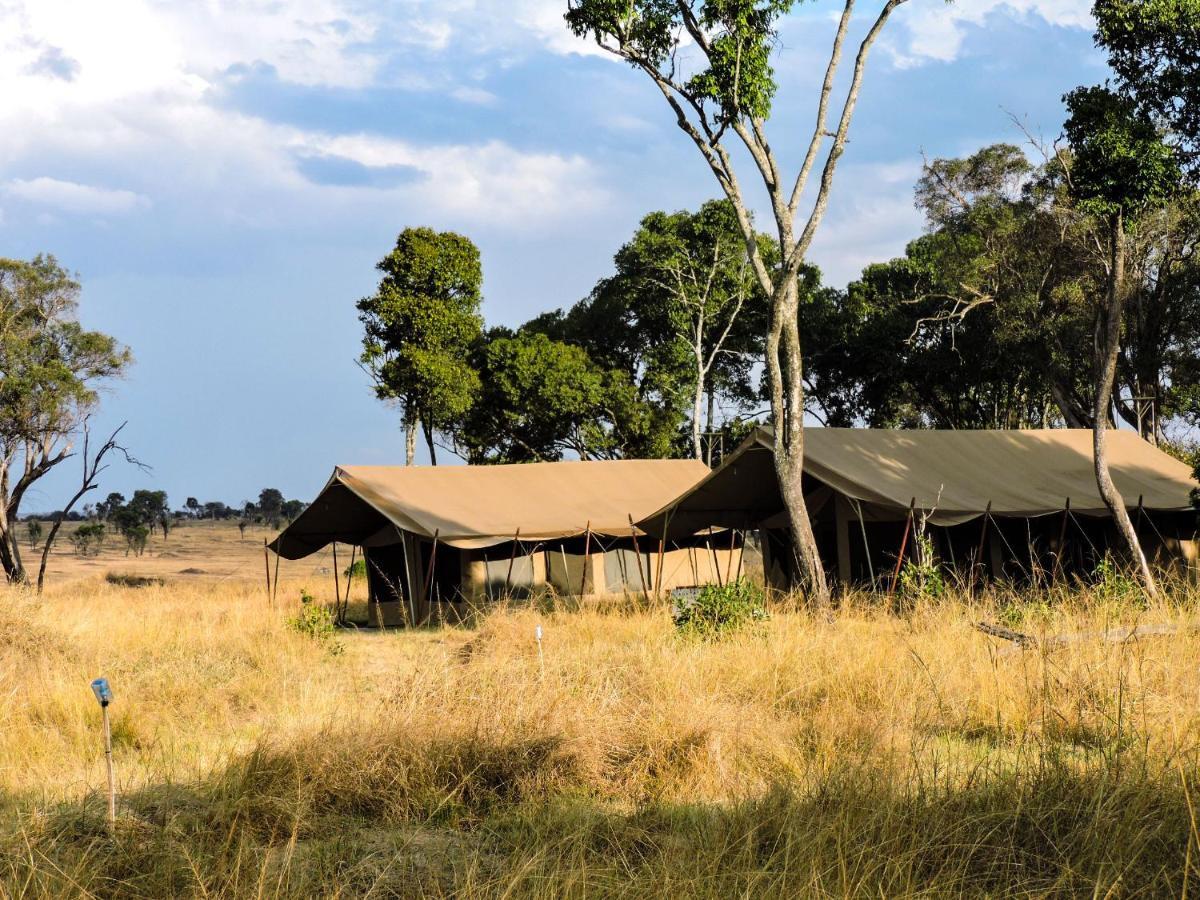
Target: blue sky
[{"x": 223, "y": 176}]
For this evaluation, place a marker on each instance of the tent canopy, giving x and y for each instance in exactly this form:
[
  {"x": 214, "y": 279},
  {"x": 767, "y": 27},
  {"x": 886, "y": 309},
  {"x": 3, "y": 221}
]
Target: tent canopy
[
  {"x": 952, "y": 475},
  {"x": 481, "y": 506}
]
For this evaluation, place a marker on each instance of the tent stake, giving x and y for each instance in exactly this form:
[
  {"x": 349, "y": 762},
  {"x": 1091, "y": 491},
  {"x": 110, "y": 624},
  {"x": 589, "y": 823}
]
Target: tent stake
[
  {"x": 587, "y": 549},
  {"x": 638, "y": 553},
  {"x": 511, "y": 557},
  {"x": 908, "y": 523}
]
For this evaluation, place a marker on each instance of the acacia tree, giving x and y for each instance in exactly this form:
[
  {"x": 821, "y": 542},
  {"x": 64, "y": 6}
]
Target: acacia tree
[
  {"x": 1120, "y": 168},
  {"x": 728, "y": 95},
  {"x": 419, "y": 328},
  {"x": 52, "y": 370}
]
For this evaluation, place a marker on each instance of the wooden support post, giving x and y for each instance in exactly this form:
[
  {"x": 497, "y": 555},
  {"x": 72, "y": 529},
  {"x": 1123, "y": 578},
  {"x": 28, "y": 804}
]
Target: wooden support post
[
  {"x": 638, "y": 553},
  {"x": 977, "y": 561},
  {"x": 511, "y": 558},
  {"x": 729, "y": 562},
  {"x": 345, "y": 610},
  {"x": 842, "y": 522},
  {"x": 337, "y": 585},
  {"x": 267, "y": 564},
  {"x": 275, "y": 585},
  {"x": 908, "y": 524},
  {"x": 741, "y": 554},
  {"x": 1062, "y": 542},
  {"x": 713, "y": 553},
  {"x": 429, "y": 572},
  {"x": 587, "y": 552},
  {"x": 662, "y": 550}
]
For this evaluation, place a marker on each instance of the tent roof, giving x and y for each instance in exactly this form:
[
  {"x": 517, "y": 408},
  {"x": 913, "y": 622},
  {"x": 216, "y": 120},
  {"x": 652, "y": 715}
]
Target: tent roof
[
  {"x": 480, "y": 506},
  {"x": 956, "y": 474}
]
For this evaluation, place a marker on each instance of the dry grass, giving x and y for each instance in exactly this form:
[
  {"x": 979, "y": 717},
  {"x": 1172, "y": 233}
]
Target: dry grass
[{"x": 870, "y": 755}]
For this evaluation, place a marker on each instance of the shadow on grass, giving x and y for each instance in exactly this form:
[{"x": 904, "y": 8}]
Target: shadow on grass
[{"x": 352, "y": 815}]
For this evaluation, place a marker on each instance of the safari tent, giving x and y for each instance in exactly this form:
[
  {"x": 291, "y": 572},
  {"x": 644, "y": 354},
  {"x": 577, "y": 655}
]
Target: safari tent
[
  {"x": 440, "y": 539},
  {"x": 1015, "y": 504}
]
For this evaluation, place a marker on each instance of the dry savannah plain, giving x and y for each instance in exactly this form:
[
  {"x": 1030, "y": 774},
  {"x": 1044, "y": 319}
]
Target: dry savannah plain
[{"x": 867, "y": 752}]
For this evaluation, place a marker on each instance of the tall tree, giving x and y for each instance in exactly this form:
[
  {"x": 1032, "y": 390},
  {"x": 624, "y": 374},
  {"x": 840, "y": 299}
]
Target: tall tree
[
  {"x": 1154, "y": 48},
  {"x": 697, "y": 304},
  {"x": 52, "y": 370},
  {"x": 419, "y": 327},
  {"x": 729, "y": 93},
  {"x": 1120, "y": 168}
]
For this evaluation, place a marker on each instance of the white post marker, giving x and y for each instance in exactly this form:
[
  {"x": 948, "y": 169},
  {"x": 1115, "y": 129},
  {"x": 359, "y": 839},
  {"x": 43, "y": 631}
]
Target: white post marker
[
  {"x": 541, "y": 658},
  {"x": 104, "y": 696}
]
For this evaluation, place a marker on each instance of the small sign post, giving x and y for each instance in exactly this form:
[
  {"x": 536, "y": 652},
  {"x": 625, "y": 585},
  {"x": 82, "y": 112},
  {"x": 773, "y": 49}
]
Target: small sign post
[{"x": 104, "y": 697}]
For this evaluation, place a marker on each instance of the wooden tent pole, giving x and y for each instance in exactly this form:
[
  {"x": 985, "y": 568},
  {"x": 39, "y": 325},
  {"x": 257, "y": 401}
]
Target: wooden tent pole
[
  {"x": 713, "y": 553},
  {"x": 983, "y": 530},
  {"x": 658, "y": 569},
  {"x": 741, "y": 555},
  {"x": 1062, "y": 541},
  {"x": 405, "y": 540},
  {"x": 337, "y": 585},
  {"x": 267, "y": 564},
  {"x": 511, "y": 557},
  {"x": 429, "y": 571},
  {"x": 349, "y": 579},
  {"x": 275, "y": 586},
  {"x": 638, "y": 553},
  {"x": 732, "y": 547},
  {"x": 587, "y": 549},
  {"x": 908, "y": 524}
]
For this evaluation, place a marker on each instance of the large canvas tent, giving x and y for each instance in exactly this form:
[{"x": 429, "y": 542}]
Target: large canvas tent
[
  {"x": 1020, "y": 500},
  {"x": 438, "y": 539}
]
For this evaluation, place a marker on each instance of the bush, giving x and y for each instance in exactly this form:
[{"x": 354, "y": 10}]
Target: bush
[
  {"x": 316, "y": 622},
  {"x": 720, "y": 609},
  {"x": 356, "y": 571},
  {"x": 87, "y": 539},
  {"x": 921, "y": 576}
]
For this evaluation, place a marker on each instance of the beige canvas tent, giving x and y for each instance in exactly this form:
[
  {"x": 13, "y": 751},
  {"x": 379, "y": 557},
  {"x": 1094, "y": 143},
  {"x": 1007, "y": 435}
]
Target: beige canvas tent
[
  {"x": 1018, "y": 501},
  {"x": 440, "y": 539}
]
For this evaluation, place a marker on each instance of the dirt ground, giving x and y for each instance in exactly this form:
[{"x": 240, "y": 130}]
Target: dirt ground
[{"x": 192, "y": 551}]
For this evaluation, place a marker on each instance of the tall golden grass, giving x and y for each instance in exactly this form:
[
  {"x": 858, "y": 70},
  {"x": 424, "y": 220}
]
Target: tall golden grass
[{"x": 864, "y": 754}]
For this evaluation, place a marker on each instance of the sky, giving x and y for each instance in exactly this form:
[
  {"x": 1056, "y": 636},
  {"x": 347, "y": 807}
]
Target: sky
[{"x": 224, "y": 174}]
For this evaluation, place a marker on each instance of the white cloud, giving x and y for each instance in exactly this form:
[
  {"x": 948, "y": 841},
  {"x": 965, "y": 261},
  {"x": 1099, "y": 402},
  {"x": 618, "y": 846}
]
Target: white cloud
[
  {"x": 69, "y": 196},
  {"x": 936, "y": 31}
]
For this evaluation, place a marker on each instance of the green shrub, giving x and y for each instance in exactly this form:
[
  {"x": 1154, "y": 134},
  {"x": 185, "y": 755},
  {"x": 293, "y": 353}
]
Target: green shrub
[
  {"x": 921, "y": 575},
  {"x": 316, "y": 622},
  {"x": 356, "y": 571},
  {"x": 720, "y": 609},
  {"x": 1116, "y": 584},
  {"x": 87, "y": 539}
]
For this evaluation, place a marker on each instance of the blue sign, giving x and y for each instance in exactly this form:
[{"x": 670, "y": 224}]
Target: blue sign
[{"x": 102, "y": 691}]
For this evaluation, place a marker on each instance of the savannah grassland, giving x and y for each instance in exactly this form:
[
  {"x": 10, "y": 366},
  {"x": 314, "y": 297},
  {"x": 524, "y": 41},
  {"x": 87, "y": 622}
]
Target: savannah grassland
[{"x": 867, "y": 754}]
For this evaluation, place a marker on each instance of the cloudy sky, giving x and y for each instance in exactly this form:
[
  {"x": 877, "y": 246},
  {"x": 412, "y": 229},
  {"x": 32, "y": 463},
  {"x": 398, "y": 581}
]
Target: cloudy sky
[{"x": 223, "y": 175}]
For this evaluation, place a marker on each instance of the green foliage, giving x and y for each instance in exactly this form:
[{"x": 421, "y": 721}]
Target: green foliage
[
  {"x": 921, "y": 577},
  {"x": 420, "y": 324},
  {"x": 88, "y": 538},
  {"x": 136, "y": 537},
  {"x": 736, "y": 81},
  {"x": 33, "y": 528},
  {"x": 1121, "y": 165},
  {"x": 542, "y": 398},
  {"x": 1114, "y": 584},
  {"x": 721, "y": 609},
  {"x": 317, "y": 623},
  {"x": 358, "y": 571},
  {"x": 1154, "y": 48}
]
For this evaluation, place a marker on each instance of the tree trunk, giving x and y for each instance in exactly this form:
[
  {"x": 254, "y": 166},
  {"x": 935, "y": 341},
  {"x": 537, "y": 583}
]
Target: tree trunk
[
  {"x": 697, "y": 411},
  {"x": 10, "y": 555},
  {"x": 1108, "y": 343},
  {"x": 410, "y": 442},
  {"x": 429, "y": 441},
  {"x": 787, "y": 405}
]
